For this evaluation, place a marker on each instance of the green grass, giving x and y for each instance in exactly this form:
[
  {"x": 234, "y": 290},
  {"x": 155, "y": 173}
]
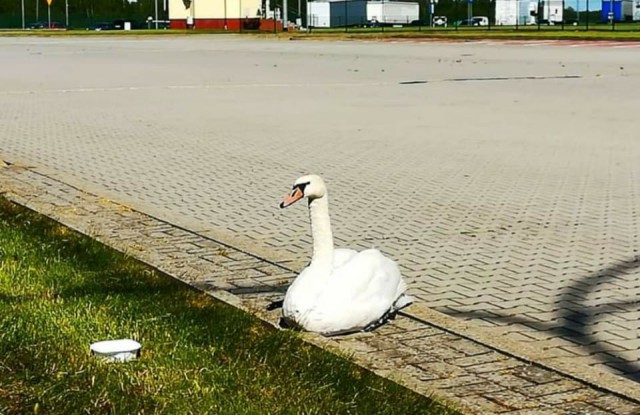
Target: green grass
[
  {"x": 60, "y": 291},
  {"x": 624, "y": 31},
  {"x": 525, "y": 33},
  {"x": 113, "y": 33}
]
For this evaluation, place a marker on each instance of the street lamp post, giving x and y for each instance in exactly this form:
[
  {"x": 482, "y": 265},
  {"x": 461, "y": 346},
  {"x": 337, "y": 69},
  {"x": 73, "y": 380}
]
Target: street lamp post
[
  {"x": 156, "y": 6},
  {"x": 23, "y": 25},
  {"x": 225, "y": 14},
  {"x": 66, "y": 11}
]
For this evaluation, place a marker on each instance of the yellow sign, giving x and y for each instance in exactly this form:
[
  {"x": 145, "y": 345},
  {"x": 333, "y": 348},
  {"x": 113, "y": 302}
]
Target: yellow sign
[{"x": 49, "y": 2}]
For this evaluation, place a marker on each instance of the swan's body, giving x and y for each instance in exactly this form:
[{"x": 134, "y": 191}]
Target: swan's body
[{"x": 341, "y": 290}]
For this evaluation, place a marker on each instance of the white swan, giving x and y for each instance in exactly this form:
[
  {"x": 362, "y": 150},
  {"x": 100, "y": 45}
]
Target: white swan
[{"x": 341, "y": 290}]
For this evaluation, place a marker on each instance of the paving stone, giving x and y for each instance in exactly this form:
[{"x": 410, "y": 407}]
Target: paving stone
[
  {"x": 535, "y": 374},
  {"x": 558, "y": 386}
]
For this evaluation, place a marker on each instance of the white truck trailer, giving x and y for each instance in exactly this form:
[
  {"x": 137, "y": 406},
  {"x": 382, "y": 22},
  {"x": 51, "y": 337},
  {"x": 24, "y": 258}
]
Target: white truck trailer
[{"x": 392, "y": 12}]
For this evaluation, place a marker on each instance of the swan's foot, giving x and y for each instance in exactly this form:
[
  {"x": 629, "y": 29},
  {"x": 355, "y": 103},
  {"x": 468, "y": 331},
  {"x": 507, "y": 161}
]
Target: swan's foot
[
  {"x": 386, "y": 317},
  {"x": 275, "y": 305},
  {"x": 286, "y": 323},
  {"x": 342, "y": 332}
]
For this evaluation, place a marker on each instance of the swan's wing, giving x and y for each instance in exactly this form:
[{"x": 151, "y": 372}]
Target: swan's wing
[
  {"x": 360, "y": 291},
  {"x": 364, "y": 274}
]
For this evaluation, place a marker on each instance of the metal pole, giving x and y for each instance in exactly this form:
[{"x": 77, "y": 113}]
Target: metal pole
[
  {"x": 49, "y": 14},
  {"x": 346, "y": 16},
  {"x": 23, "y": 25},
  {"x": 156, "y": 6},
  {"x": 66, "y": 10},
  {"x": 225, "y": 14},
  {"x": 612, "y": 14},
  {"x": 37, "y": 11},
  {"x": 285, "y": 14},
  {"x": 494, "y": 15},
  {"x": 587, "y": 15}
]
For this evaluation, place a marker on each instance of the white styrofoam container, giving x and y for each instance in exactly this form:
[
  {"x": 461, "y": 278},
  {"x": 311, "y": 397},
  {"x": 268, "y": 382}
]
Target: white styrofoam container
[{"x": 119, "y": 350}]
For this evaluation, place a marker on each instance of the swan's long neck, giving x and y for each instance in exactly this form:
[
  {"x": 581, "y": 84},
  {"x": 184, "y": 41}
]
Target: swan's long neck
[{"x": 321, "y": 232}]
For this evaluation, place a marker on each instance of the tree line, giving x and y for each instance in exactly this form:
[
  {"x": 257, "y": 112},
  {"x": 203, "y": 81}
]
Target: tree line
[{"x": 81, "y": 12}]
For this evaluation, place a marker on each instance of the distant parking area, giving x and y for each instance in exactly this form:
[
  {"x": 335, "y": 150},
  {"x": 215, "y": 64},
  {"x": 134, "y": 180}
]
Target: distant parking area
[{"x": 503, "y": 178}]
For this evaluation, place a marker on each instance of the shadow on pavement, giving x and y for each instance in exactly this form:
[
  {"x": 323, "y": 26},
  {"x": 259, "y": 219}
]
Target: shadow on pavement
[{"x": 574, "y": 317}]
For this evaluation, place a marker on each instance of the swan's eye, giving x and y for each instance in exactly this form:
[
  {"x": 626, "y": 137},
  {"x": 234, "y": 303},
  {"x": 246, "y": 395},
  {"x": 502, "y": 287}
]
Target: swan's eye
[{"x": 300, "y": 186}]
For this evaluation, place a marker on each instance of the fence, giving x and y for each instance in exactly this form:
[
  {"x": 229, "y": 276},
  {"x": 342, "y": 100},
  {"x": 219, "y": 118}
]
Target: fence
[
  {"x": 506, "y": 15},
  {"x": 355, "y": 16}
]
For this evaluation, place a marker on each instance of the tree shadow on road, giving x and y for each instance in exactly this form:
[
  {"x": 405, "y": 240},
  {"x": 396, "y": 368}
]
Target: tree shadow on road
[{"x": 575, "y": 316}]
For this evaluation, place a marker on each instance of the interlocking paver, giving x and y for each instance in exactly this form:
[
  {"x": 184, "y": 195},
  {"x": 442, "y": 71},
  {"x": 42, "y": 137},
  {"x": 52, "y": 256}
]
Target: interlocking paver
[{"x": 519, "y": 208}]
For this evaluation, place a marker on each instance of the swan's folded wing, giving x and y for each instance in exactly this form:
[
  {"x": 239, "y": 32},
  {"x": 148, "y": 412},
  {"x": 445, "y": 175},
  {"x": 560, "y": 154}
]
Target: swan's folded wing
[{"x": 362, "y": 289}]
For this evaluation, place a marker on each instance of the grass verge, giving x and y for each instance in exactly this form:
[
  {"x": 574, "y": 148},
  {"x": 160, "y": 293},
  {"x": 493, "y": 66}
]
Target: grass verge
[
  {"x": 632, "y": 33},
  {"x": 60, "y": 291},
  {"x": 475, "y": 34}
]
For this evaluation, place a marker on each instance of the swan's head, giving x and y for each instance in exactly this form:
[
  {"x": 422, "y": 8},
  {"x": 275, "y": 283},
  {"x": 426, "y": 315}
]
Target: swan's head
[{"x": 310, "y": 186}]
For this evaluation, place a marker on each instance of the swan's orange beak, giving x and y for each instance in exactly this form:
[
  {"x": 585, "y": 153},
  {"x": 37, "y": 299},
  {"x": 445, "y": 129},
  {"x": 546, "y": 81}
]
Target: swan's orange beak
[{"x": 290, "y": 199}]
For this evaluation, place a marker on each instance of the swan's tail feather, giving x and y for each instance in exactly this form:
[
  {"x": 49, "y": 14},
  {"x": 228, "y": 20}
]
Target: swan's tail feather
[
  {"x": 275, "y": 305},
  {"x": 403, "y": 301}
]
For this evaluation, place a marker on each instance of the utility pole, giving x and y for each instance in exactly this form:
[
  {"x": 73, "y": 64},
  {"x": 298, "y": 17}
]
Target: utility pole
[
  {"x": 156, "y": 5},
  {"x": 285, "y": 14},
  {"x": 66, "y": 10},
  {"x": 23, "y": 25},
  {"x": 49, "y": 11}
]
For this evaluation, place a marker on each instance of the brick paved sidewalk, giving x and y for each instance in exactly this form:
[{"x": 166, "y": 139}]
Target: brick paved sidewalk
[{"x": 423, "y": 350}]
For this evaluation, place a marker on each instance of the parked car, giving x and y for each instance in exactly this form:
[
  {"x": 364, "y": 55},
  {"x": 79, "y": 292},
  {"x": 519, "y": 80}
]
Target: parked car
[
  {"x": 440, "y": 21},
  {"x": 474, "y": 21},
  {"x": 57, "y": 26},
  {"x": 37, "y": 25},
  {"x": 420, "y": 22},
  {"x": 45, "y": 25},
  {"x": 374, "y": 23},
  {"x": 101, "y": 26}
]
